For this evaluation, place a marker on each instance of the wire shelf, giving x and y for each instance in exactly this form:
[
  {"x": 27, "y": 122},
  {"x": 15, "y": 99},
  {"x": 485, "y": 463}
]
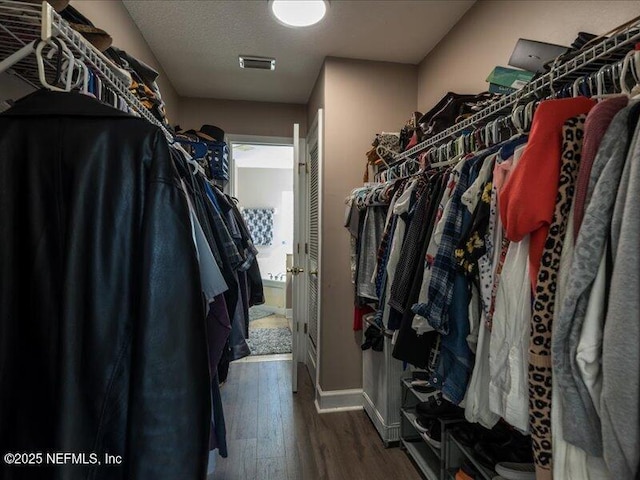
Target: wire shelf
[
  {"x": 608, "y": 51},
  {"x": 22, "y": 23}
]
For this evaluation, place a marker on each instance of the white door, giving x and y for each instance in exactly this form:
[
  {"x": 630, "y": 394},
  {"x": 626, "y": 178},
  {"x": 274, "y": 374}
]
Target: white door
[
  {"x": 314, "y": 189},
  {"x": 296, "y": 270}
]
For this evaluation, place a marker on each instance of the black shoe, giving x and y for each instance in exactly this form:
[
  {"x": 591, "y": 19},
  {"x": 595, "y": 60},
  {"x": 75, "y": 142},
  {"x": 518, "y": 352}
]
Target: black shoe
[
  {"x": 434, "y": 434},
  {"x": 490, "y": 454},
  {"x": 422, "y": 386},
  {"x": 438, "y": 407},
  {"x": 420, "y": 375},
  {"x": 423, "y": 424},
  {"x": 469, "y": 434}
]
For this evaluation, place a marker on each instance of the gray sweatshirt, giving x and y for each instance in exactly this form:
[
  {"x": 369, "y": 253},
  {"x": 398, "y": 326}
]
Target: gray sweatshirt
[
  {"x": 581, "y": 423},
  {"x": 620, "y": 401}
]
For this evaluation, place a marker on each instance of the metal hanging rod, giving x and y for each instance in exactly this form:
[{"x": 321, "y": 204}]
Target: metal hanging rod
[{"x": 590, "y": 61}]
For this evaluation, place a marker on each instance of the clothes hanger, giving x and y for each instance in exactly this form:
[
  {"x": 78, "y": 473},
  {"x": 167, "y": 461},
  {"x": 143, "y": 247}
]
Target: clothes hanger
[
  {"x": 84, "y": 88},
  {"x": 635, "y": 71},
  {"x": 98, "y": 86},
  {"x": 516, "y": 120},
  {"x": 623, "y": 74},
  {"x": 576, "y": 91},
  {"x": 68, "y": 65},
  {"x": 529, "y": 111},
  {"x": 495, "y": 131},
  {"x": 41, "y": 70},
  {"x": 77, "y": 82},
  {"x": 602, "y": 90},
  {"x": 487, "y": 134},
  {"x": 116, "y": 100}
]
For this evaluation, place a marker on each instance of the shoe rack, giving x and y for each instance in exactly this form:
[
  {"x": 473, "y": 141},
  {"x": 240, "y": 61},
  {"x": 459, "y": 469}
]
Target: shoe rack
[
  {"x": 434, "y": 463},
  {"x": 430, "y": 460},
  {"x": 459, "y": 452}
]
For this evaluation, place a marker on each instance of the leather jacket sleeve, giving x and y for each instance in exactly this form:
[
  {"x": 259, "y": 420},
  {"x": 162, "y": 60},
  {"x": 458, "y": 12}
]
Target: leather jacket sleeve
[
  {"x": 169, "y": 397},
  {"x": 103, "y": 346}
]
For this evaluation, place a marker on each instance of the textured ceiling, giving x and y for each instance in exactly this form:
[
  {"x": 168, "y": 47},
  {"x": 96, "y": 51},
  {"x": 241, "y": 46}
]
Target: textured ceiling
[{"x": 198, "y": 42}]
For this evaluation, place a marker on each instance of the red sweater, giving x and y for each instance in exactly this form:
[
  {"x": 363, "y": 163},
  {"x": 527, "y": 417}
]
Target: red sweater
[{"x": 528, "y": 199}]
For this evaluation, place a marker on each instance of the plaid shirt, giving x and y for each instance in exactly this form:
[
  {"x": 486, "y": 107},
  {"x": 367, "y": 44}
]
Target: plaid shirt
[{"x": 440, "y": 293}]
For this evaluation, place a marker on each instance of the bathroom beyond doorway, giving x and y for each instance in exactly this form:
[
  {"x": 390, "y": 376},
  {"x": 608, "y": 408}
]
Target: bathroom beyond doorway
[{"x": 263, "y": 182}]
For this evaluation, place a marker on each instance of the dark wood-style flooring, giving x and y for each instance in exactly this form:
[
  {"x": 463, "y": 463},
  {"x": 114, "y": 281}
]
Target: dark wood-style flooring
[{"x": 273, "y": 434}]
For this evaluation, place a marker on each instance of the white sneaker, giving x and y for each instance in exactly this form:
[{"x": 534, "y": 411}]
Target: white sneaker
[{"x": 516, "y": 471}]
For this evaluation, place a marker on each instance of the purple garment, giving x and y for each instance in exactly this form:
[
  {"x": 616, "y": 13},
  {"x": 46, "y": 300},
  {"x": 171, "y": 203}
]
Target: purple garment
[{"x": 218, "y": 330}]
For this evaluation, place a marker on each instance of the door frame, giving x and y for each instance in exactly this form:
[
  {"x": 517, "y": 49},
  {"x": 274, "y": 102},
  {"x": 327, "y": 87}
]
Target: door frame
[
  {"x": 298, "y": 339},
  {"x": 300, "y": 236}
]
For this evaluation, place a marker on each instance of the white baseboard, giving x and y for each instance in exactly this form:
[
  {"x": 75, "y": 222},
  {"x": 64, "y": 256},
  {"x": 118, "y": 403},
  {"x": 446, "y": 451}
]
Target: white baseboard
[
  {"x": 388, "y": 433},
  {"x": 338, "y": 400}
]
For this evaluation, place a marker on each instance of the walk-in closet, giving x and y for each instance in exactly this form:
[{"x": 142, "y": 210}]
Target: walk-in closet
[{"x": 319, "y": 239}]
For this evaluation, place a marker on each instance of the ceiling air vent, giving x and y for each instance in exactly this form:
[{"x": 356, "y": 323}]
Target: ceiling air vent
[{"x": 260, "y": 63}]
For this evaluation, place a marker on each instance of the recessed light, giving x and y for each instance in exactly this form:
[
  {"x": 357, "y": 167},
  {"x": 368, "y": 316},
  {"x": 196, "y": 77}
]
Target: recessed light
[{"x": 299, "y": 13}]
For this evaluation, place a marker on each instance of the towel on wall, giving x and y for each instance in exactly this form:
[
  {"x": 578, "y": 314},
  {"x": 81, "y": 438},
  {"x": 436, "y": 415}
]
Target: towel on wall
[{"x": 260, "y": 224}]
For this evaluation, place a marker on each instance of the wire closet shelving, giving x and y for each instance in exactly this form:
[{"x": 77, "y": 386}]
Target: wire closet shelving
[
  {"x": 586, "y": 62},
  {"x": 22, "y": 24}
]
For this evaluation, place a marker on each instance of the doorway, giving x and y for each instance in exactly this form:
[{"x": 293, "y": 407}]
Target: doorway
[{"x": 263, "y": 184}]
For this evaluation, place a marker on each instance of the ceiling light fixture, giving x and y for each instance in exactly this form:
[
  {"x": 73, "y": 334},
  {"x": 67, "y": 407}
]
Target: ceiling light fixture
[{"x": 299, "y": 13}]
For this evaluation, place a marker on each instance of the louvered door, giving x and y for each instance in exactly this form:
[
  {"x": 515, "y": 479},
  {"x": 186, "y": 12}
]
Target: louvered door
[{"x": 314, "y": 162}]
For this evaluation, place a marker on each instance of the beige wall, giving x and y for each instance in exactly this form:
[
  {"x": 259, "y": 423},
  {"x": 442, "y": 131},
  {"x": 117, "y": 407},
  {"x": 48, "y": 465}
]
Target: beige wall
[
  {"x": 488, "y": 32},
  {"x": 243, "y": 118},
  {"x": 113, "y": 17},
  {"x": 361, "y": 98},
  {"x": 316, "y": 99}
]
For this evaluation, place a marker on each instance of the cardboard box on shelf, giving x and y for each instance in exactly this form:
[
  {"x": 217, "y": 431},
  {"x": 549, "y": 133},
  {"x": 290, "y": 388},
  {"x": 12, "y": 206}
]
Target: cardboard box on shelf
[{"x": 508, "y": 80}]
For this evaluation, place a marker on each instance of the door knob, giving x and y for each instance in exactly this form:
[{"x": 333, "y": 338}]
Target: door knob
[
  {"x": 295, "y": 270},
  {"x": 313, "y": 272}
]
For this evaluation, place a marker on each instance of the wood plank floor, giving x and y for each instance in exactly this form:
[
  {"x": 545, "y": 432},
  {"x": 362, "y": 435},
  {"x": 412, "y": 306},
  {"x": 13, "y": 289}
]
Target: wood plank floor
[{"x": 273, "y": 434}]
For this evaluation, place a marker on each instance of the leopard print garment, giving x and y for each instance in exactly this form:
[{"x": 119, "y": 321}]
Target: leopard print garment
[{"x": 544, "y": 301}]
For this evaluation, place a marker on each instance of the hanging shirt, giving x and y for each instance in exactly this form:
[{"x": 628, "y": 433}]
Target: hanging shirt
[
  {"x": 595, "y": 127},
  {"x": 620, "y": 404},
  {"x": 528, "y": 199},
  {"x": 420, "y": 324},
  {"x": 211, "y": 278},
  {"x": 581, "y": 423}
]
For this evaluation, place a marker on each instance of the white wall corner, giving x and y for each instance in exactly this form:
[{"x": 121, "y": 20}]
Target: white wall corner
[{"x": 333, "y": 401}]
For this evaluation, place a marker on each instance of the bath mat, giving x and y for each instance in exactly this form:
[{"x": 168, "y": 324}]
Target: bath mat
[
  {"x": 268, "y": 341},
  {"x": 258, "y": 312}
]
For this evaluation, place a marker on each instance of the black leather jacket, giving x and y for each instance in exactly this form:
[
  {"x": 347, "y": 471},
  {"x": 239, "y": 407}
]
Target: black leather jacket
[{"x": 102, "y": 337}]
